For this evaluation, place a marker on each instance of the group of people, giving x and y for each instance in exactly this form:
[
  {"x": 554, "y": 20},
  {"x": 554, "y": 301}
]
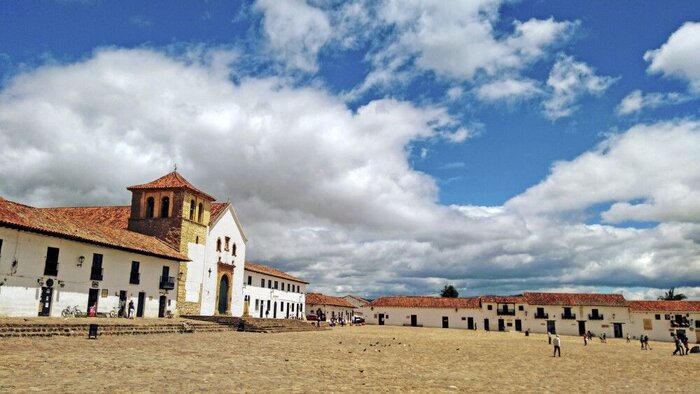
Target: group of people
[
  {"x": 681, "y": 341},
  {"x": 123, "y": 312},
  {"x": 644, "y": 341}
]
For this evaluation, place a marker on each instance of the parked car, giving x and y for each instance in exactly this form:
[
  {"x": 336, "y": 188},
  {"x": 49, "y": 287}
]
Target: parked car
[
  {"x": 311, "y": 317},
  {"x": 358, "y": 320}
]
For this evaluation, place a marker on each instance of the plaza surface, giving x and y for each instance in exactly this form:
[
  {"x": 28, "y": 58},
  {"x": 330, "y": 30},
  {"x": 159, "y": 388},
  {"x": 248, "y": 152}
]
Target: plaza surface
[{"x": 362, "y": 358}]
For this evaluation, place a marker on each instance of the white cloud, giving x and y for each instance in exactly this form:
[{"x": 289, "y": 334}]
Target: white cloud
[
  {"x": 568, "y": 81},
  {"x": 637, "y": 101},
  {"x": 679, "y": 56},
  {"x": 296, "y": 31},
  {"x": 328, "y": 193},
  {"x": 507, "y": 89}
]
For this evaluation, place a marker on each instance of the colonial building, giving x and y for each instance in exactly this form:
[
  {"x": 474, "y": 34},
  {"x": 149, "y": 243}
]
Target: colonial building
[
  {"x": 329, "y": 306},
  {"x": 271, "y": 293},
  {"x": 421, "y": 311},
  {"x": 51, "y": 260},
  {"x": 503, "y": 313},
  {"x": 660, "y": 319},
  {"x": 171, "y": 214}
]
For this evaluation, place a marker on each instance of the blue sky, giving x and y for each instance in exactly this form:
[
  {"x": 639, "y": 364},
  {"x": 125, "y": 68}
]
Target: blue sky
[{"x": 380, "y": 147}]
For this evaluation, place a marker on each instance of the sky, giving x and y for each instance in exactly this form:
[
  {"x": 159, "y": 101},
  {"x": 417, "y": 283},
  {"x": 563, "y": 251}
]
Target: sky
[{"x": 380, "y": 147}]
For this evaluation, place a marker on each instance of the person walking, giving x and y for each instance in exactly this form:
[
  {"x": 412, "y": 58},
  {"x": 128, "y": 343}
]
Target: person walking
[
  {"x": 557, "y": 346},
  {"x": 641, "y": 341},
  {"x": 628, "y": 338},
  {"x": 131, "y": 309},
  {"x": 585, "y": 340},
  {"x": 646, "y": 342},
  {"x": 677, "y": 342},
  {"x": 549, "y": 337}
]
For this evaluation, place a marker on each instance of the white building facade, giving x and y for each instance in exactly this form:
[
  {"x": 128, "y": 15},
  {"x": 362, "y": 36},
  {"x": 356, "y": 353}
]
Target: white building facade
[
  {"x": 49, "y": 262},
  {"x": 329, "y": 308},
  {"x": 659, "y": 319},
  {"x": 271, "y": 293},
  {"x": 418, "y": 311}
]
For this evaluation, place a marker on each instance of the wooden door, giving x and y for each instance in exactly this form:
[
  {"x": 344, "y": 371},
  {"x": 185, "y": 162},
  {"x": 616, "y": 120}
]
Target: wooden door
[
  {"x": 46, "y": 298},
  {"x": 141, "y": 304},
  {"x": 414, "y": 320}
]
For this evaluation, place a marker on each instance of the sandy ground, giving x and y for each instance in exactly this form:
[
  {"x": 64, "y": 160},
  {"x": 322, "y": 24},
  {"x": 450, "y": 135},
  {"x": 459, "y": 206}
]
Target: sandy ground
[{"x": 366, "y": 358}]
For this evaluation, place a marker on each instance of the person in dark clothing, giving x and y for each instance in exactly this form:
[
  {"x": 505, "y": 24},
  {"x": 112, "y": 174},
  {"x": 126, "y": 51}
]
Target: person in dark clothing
[{"x": 677, "y": 341}]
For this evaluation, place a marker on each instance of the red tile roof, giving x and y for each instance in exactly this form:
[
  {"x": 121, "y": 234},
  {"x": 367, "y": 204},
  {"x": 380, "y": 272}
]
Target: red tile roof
[
  {"x": 217, "y": 208},
  {"x": 665, "y": 306},
  {"x": 54, "y": 223},
  {"x": 262, "y": 269},
  {"x": 575, "y": 299},
  {"x": 322, "y": 299},
  {"x": 172, "y": 180},
  {"x": 426, "y": 302},
  {"x": 503, "y": 299},
  {"x": 112, "y": 216}
]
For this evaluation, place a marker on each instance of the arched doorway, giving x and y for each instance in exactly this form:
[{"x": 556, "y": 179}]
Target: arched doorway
[{"x": 223, "y": 295}]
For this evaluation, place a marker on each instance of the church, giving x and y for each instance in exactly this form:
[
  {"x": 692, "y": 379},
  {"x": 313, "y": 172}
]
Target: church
[{"x": 173, "y": 251}]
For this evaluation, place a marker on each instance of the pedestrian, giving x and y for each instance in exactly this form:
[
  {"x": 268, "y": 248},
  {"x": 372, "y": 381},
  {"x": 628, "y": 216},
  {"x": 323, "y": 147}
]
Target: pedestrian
[
  {"x": 677, "y": 342},
  {"x": 628, "y": 338},
  {"x": 646, "y": 342},
  {"x": 585, "y": 340},
  {"x": 122, "y": 308},
  {"x": 557, "y": 346},
  {"x": 549, "y": 337},
  {"x": 131, "y": 309},
  {"x": 641, "y": 341},
  {"x": 604, "y": 338}
]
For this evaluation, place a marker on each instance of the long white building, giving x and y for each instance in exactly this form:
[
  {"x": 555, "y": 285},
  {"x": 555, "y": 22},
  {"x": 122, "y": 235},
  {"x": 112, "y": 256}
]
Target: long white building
[
  {"x": 561, "y": 313},
  {"x": 50, "y": 260},
  {"x": 271, "y": 293}
]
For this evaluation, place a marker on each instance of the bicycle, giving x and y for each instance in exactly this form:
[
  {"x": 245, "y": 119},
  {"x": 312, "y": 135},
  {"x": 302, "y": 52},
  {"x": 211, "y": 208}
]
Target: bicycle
[
  {"x": 71, "y": 312},
  {"x": 114, "y": 312}
]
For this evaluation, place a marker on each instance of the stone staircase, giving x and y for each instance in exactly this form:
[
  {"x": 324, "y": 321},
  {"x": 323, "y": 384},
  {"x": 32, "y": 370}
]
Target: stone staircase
[
  {"x": 82, "y": 329},
  {"x": 252, "y": 324}
]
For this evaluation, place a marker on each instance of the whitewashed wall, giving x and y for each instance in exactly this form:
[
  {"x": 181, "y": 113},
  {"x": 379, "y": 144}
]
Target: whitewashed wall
[
  {"x": 427, "y": 317},
  {"x": 661, "y": 329},
  {"x": 611, "y": 315},
  {"x": 509, "y": 321},
  {"x": 330, "y": 310},
  {"x": 263, "y": 294},
  {"x": 20, "y": 292},
  {"x": 224, "y": 227}
]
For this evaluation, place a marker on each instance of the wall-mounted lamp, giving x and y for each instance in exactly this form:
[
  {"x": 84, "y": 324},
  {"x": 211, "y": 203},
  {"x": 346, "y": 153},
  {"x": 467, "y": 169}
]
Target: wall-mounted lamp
[
  {"x": 62, "y": 283},
  {"x": 81, "y": 259},
  {"x": 179, "y": 275},
  {"x": 40, "y": 282},
  {"x": 210, "y": 272}
]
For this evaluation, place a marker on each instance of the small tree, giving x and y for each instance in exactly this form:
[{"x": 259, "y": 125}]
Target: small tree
[
  {"x": 670, "y": 296},
  {"x": 449, "y": 291}
]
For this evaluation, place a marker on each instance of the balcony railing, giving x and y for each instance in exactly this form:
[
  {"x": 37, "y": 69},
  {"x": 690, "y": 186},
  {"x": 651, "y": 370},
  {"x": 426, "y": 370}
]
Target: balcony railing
[
  {"x": 96, "y": 273},
  {"x": 541, "y": 315},
  {"x": 595, "y": 317},
  {"x": 505, "y": 312},
  {"x": 51, "y": 268},
  {"x": 571, "y": 316},
  {"x": 135, "y": 278},
  {"x": 167, "y": 282},
  {"x": 682, "y": 324}
]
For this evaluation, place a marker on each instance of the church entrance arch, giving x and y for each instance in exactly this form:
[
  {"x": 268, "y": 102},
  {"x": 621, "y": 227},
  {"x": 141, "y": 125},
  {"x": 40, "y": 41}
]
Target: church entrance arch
[{"x": 223, "y": 295}]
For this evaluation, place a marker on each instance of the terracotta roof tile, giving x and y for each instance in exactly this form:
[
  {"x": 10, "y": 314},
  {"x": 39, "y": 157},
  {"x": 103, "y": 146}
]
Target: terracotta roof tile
[
  {"x": 503, "y": 299},
  {"x": 172, "y": 180},
  {"x": 262, "y": 269},
  {"x": 217, "y": 208},
  {"x": 665, "y": 306},
  {"x": 58, "y": 224},
  {"x": 112, "y": 216},
  {"x": 426, "y": 302},
  {"x": 322, "y": 299},
  {"x": 575, "y": 299}
]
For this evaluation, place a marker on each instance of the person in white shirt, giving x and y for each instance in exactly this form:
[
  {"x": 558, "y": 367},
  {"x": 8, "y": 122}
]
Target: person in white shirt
[{"x": 557, "y": 346}]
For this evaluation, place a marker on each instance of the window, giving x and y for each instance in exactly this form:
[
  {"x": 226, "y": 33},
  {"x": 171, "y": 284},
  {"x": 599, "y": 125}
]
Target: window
[
  {"x": 135, "y": 276},
  {"x": 521, "y": 308},
  {"x": 281, "y": 306},
  {"x": 150, "y": 207},
  {"x": 256, "y": 304},
  {"x": 233, "y": 248},
  {"x": 276, "y": 285},
  {"x": 200, "y": 212},
  {"x": 192, "y": 209},
  {"x": 268, "y": 305},
  {"x": 289, "y": 286},
  {"x": 658, "y": 317},
  {"x": 667, "y": 317},
  {"x": 250, "y": 280},
  {"x": 218, "y": 244},
  {"x": 51, "y": 265},
  {"x": 697, "y": 323},
  {"x": 96, "y": 270},
  {"x": 269, "y": 284},
  {"x": 489, "y": 307},
  {"x": 262, "y": 282},
  {"x": 0, "y": 247},
  {"x": 164, "y": 207},
  {"x": 227, "y": 240}
]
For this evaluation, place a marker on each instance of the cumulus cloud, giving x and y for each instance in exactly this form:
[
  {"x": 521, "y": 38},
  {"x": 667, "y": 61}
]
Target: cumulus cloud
[
  {"x": 568, "y": 81},
  {"x": 507, "y": 89},
  {"x": 637, "y": 101},
  {"x": 328, "y": 193},
  {"x": 679, "y": 56},
  {"x": 296, "y": 31}
]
